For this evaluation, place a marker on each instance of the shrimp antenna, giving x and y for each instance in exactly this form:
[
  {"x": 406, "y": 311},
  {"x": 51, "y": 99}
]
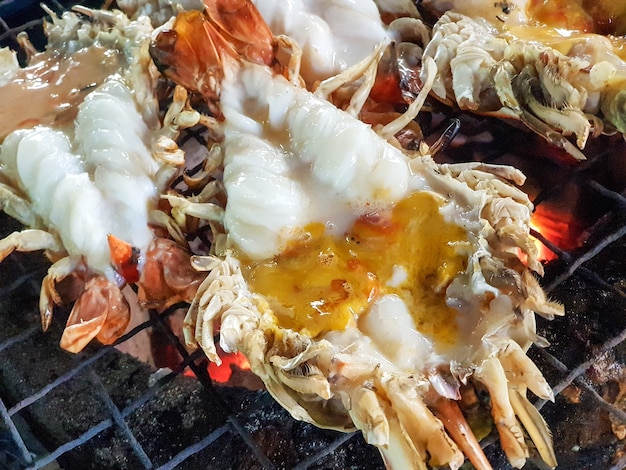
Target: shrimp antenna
[{"x": 446, "y": 137}]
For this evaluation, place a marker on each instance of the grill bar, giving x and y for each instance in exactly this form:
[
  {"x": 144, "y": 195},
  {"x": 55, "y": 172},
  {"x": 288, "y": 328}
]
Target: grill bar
[
  {"x": 119, "y": 420},
  {"x": 48, "y": 388},
  {"x": 327, "y": 451},
  {"x": 68, "y": 446},
  {"x": 23, "y": 336},
  {"x": 195, "y": 448},
  {"x": 619, "y": 233},
  {"x": 582, "y": 368},
  {"x": 15, "y": 434},
  {"x": 575, "y": 376},
  {"x": 617, "y": 197},
  {"x": 250, "y": 442},
  {"x": 601, "y": 401}
]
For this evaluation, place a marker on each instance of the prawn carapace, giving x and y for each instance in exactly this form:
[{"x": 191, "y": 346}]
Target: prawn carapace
[{"x": 226, "y": 29}]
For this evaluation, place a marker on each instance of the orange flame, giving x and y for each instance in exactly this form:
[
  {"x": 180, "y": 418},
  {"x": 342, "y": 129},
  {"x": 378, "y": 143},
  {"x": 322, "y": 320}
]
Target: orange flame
[
  {"x": 552, "y": 224},
  {"x": 543, "y": 252},
  {"x": 223, "y": 372}
]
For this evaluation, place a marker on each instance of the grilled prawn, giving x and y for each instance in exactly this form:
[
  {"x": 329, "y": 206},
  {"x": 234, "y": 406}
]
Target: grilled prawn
[
  {"x": 367, "y": 286},
  {"x": 557, "y": 78},
  {"x": 86, "y": 186}
]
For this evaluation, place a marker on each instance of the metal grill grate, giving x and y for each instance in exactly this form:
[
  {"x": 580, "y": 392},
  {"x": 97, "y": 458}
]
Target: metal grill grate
[
  {"x": 104, "y": 409},
  {"x": 225, "y": 427}
]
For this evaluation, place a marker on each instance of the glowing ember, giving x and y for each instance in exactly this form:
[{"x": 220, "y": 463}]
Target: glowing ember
[
  {"x": 555, "y": 227},
  {"x": 223, "y": 372}
]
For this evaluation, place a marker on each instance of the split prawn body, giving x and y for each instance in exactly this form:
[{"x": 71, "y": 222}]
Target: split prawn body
[
  {"x": 101, "y": 189},
  {"x": 325, "y": 144},
  {"x": 365, "y": 284},
  {"x": 86, "y": 188},
  {"x": 561, "y": 82}
]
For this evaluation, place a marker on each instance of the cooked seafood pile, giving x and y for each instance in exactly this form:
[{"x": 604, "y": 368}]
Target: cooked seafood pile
[{"x": 369, "y": 287}]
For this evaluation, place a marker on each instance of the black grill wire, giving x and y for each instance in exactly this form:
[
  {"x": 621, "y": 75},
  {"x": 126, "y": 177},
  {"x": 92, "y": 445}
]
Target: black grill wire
[{"x": 238, "y": 412}]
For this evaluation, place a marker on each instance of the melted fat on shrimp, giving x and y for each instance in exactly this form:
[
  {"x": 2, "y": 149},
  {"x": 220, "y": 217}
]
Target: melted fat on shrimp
[
  {"x": 79, "y": 57},
  {"x": 53, "y": 87}
]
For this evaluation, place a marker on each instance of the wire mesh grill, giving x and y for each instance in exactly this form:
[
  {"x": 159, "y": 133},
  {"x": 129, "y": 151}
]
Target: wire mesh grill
[{"x": 104, "y": 409}]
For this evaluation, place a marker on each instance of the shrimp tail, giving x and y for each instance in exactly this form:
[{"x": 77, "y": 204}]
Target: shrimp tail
[{"x": 100, "y": 312}]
